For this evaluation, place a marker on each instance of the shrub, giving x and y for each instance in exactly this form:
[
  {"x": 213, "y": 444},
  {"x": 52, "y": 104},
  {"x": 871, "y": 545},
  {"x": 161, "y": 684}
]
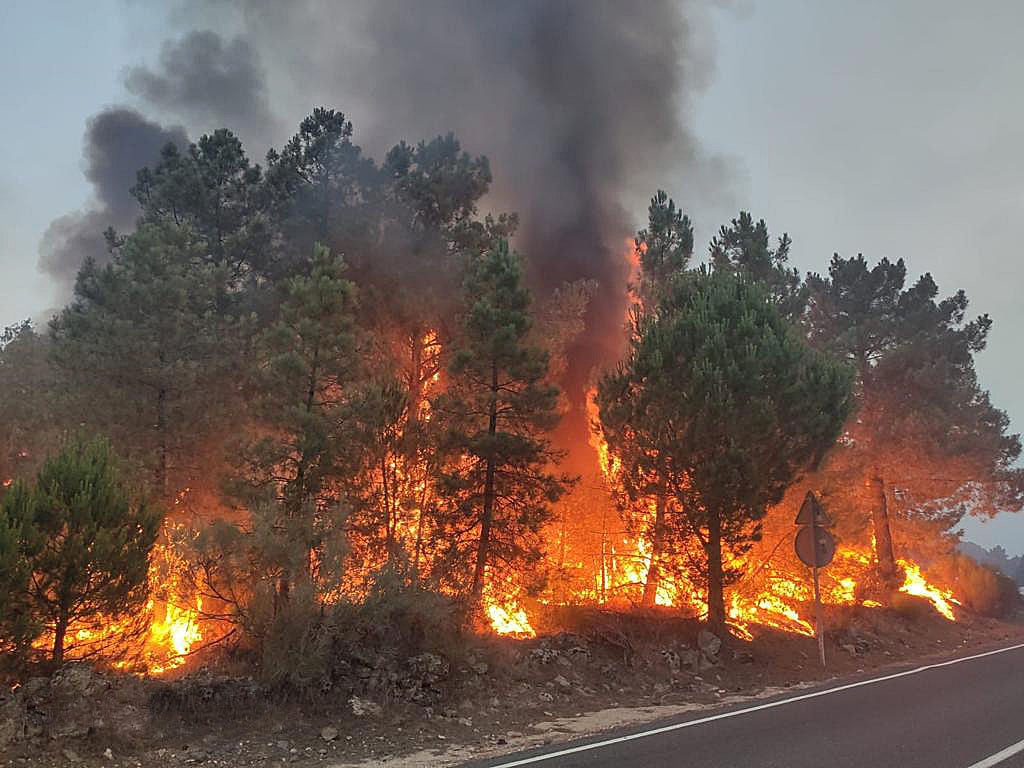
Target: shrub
[
  {"x": 311, "y": 650},
  {"x": 980, "y": 588}
]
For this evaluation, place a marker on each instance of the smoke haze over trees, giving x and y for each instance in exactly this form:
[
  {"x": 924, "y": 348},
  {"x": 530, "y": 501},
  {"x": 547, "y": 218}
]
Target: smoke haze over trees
[{"x": 575, "y": 108}]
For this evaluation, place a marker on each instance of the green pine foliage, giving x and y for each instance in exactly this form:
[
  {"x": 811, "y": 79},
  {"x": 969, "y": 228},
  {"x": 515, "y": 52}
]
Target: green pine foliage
[
  {"x": 744, "y": 247},
  {"x": 498, "y": 486},
  {"x": 84, "y": 543},
  {"x": 721, "y": 405},
  {"x": 151, "y": 354},
  {"x": 665, "y": 248}
]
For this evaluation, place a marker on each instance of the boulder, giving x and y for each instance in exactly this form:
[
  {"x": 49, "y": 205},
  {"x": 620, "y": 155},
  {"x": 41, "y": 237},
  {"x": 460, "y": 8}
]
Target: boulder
[
  {"x": 709, "y": 643},
  {"x": 364, "y": 707}
]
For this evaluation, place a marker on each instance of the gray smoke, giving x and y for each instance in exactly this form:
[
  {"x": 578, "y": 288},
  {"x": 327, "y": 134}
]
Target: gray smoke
[
  {"x": 209, "y": 82},
  {"x": 203, "y": 81},
  {"x": 581, "y": 105},
  {"x": 118, "y": 142}
]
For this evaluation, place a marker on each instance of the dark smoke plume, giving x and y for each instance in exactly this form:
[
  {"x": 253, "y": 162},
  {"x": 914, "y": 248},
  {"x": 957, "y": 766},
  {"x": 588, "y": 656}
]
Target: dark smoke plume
[
  {"x": 208, "y": 83},
  {"x": 581, "y": 106},
  {"x": 118, "y": 142},
  {"x": 203, "y": 81}
]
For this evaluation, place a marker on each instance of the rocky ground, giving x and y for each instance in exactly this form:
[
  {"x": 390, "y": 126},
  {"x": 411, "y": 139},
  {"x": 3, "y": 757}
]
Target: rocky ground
[{"x": 501, "y": 695}]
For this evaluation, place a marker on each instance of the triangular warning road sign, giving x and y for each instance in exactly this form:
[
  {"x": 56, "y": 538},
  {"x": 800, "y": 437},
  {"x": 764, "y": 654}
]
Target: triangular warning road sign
[{"x": 811, "y": 512}]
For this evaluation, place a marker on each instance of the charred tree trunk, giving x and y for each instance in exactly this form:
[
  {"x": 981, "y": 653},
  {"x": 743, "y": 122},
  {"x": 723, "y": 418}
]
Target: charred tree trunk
[
  {"x": 390, "y": 522},
  {"x": 487, "y": 514},
  {"x": 716, "y": 589},
  {"x": 653, "y": 580},
  {"x": 416, "y": 377},
  {"x": 60, "y": 631},
  {"x": 883, "y": 532}
]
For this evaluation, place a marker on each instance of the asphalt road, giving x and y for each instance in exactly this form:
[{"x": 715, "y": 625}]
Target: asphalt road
[{"x": 962, "y": 713}]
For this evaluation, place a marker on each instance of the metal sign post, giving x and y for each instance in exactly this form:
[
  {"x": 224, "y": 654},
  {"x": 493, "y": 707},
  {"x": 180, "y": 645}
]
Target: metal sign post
[
  {"x": 815, "y": 547},
  {"x": 818, "y": 624}
]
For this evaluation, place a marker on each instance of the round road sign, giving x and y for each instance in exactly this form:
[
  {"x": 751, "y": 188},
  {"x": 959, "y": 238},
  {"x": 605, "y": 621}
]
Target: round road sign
[{"x": 815, "y": 546}]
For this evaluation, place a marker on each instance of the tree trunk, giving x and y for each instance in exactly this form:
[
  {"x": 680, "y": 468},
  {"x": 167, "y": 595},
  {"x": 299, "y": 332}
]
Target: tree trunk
[
  {"x": 883, "y": 532},
  {"x": 59, "y": 632},
  {"x": 390, "y": 515},
  {"x": 487, "y": 516},
  {"x": 653, "y": 580},
  {"x": 604, "y": 555},
  {"x": 418, "y": 550},
  {"x": 716, "y": 591},
  {"x": 162, "y": 481},
  {"x": 416, "y": 377}
]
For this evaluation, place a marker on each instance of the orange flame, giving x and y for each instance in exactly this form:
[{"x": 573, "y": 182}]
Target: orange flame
[
  {"x": 506, "y": 615},
  {"x": 776, "y": 600},
  {"x": 914, "y": 583},
  {"x": 171, "y": 622}
]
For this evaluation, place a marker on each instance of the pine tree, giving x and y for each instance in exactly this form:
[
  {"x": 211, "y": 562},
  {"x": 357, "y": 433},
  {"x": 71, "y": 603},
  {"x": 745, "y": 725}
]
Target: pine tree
[
  {"x": 150, "y": 356},
  {"x": 86, "y": 543},
  {"x": 214, "y": 191},
  {"x": 664, "y": 248},
  {"x": 744, "y": 247},
  {"x": 925, "y": 433},
  {"x": 411, "y": 278},
  {"x": 498, "y": 486},
  {"x": 323, "y": 190},
  {"x": 303, "y": 388},
  {"x": 720, "y": 403}
]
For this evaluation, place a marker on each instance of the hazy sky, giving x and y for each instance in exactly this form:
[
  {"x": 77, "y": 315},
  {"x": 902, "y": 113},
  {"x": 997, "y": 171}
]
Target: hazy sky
[{"x": 892, "y": 129}]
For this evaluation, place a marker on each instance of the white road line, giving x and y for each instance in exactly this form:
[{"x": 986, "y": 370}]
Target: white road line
[
  {"x": 771, "y": 705},
  {"x": 998, "y": 757}
]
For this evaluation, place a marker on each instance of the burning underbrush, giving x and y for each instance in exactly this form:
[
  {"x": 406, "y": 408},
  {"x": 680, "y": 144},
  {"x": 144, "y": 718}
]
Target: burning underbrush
[
  {"x": 315, "y": 643},
  {"x": 392, "y": 678}
]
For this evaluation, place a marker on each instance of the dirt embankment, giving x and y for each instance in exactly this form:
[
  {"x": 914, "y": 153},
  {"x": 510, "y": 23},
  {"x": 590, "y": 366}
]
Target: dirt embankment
[{"x": 500, "y": 695}]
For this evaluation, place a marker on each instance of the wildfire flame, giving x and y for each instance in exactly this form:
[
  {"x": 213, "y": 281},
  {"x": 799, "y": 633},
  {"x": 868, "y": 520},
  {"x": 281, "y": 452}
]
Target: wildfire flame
[
  {"x": 775, "y": 600},
  {"x": 506, "y": 615},
  {"x": 914, "y": 583},
  {"x": 509, "y": 620},
  {"x": 171, "y": 623}
]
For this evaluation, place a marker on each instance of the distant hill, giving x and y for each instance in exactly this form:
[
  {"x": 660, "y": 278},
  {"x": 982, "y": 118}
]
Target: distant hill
[{"x": 996, "y": 557}]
